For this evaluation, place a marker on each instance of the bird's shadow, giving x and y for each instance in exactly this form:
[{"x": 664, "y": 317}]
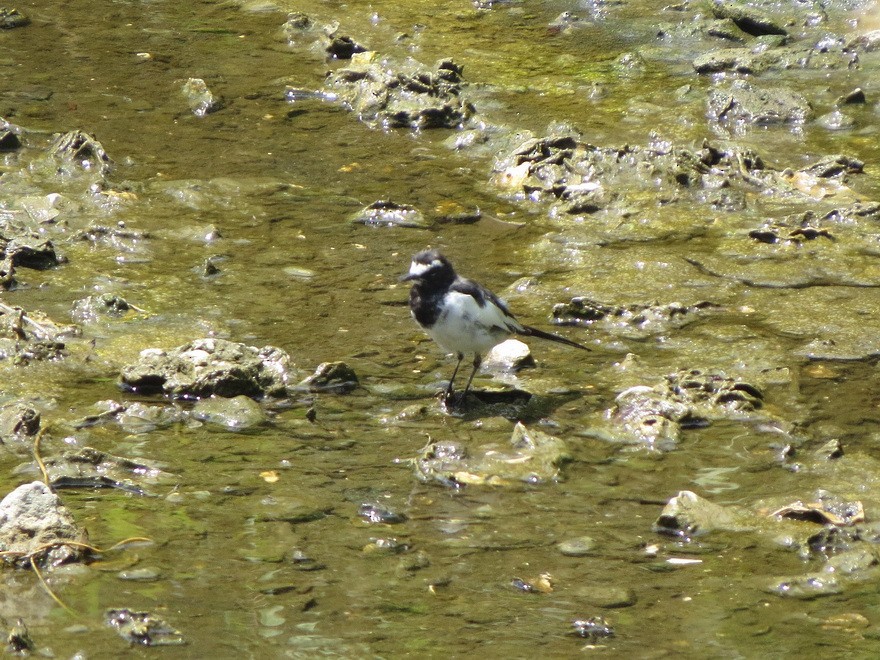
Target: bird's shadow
[{"x": 513, "y": 404}]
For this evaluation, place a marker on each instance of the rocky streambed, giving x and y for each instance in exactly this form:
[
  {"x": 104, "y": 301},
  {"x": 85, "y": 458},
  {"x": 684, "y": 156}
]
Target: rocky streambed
[{"x": 220, "y": 429}]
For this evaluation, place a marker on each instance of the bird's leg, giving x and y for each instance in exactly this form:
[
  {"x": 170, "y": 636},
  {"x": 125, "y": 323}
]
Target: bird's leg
[
  {"x": 448, "y": 393},
  {"x": 477, "y": 362}
]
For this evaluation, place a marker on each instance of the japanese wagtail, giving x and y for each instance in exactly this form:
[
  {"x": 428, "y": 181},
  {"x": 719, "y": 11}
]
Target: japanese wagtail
[{"x": 461, "y": 315}]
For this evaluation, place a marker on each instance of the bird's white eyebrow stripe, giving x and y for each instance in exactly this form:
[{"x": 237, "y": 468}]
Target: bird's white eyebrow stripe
[{"x": 418, "y": 268}]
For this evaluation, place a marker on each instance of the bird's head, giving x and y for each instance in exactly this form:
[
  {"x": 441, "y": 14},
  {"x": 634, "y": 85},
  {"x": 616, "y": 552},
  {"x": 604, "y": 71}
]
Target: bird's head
[{"x": 429, "y": 266}]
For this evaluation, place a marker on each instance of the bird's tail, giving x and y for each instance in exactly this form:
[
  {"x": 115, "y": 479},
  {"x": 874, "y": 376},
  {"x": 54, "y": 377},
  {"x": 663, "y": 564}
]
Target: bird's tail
[{"x": 549, "y": 336}]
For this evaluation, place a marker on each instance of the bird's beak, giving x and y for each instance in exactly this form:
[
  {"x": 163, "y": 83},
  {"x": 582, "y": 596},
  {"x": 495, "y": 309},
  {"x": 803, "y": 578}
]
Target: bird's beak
[{"x": 408, "y": 277}]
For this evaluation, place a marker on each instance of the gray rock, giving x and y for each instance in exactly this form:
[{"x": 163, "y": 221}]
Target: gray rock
[
  {"x": 32, "y": 519},
  {"x": 207, "y": 367}
]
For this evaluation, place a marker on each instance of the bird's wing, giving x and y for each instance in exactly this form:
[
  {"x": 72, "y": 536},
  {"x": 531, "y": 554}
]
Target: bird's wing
[{"x": 492, "y": 310}]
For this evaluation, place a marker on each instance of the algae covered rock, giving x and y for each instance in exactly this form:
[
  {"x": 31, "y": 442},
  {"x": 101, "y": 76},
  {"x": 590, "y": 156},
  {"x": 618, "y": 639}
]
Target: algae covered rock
[
  {"x": 406, "y": 97},
  {"x": 207, "y": 367},
  {"x": 235, "y": 414},
  {"x": 687, "y": 515},
  {"x": 531, "y": 456},
  {"x": 331, "y": 377}
]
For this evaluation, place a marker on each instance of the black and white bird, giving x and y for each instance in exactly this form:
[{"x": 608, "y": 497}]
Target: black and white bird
[{"x": 461, "y": 315}]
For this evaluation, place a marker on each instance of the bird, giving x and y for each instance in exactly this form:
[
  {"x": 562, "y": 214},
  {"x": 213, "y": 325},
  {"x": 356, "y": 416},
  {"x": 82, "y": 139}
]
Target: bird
[{"x": 461, "y": 315}]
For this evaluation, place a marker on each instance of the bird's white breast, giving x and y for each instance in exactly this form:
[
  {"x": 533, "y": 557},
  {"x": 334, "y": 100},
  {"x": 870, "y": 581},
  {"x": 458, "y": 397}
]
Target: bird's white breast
[{"x": 465, "y": 327}]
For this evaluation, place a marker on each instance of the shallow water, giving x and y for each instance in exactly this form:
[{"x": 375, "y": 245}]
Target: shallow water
[{"x": 279, "y": 182}]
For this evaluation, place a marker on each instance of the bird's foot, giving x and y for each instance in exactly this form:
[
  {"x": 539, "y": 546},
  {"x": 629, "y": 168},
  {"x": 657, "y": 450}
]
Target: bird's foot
[{"x": 453, "y": 402}]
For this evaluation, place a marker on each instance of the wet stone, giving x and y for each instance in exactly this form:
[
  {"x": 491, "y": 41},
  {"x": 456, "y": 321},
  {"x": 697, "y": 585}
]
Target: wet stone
[
  {"x": 82, "y": 150},
  {"x": 593, "y": 628},
  {"x": 510, "y": 355},
  {"x": 90, "y": 468},
  {"x": 118, "y": 237},
  {"x": 634, "y": 320},
  {"x": 852, "y": 562},
  {"x": 793, "y": 230},
  {"x": 9, "y": 140},
  {"x": 133, "y": 417},
  {"x": 825, "y": 509},
  {"x": 725, "y": 28},
  {"x": 456, "y": 214},
  {"x": 407, "y": 97},
  {"x": 342, "y": 47},
  {"x": 297, "y": 25},
  {"x": 412, "y": 562},
  {"x": 774, "y": 55},
  {"x": 831, "y": 450},
  {"x": 714, "y": 393},
  {"x": 745, "y": 103},
  {"x": 12, "y": 18},
  {"x": 31, "y": 336},
  {"x": 22, "y": 247},
  {"x": 687, "y": 514},
  {"x": 209, "y": 267},
  {"x": 208, "y": 367},
  {"x": 376, "y": 513},
  {"x": 531, "y": 456},
  {"x": 561, "y": 169},
  {"x": 140, "y": 575},
  {"x": 201, "y": 100},
  {"x": 18, "y": 421},
  {"x": 832, "y": 540},
  {"x": 236, "y": 413},
  {"x": 34, "y": 523},
  {"x": 835, "y": 165},
  {"x": 580, "y": 546},
  {"x": 806, "y": 587},
  {"x": 93, "y": 308},
  {"x": 566, "y": 22},
  {"x": 143, "y": 628},
  {"x": 542, "y": 584},
  {"x": 335, "y": 377},
  {"x": 606, "y": 596},
  {"x": 856, "y": 96},
  {"x": 385, "y": 213},
  {"x": 836, "y": 121},
  {"x": 18, "y": 641},
  {"x": 386, "y": 545},
  {"x": 23, "y": 353},
  {"x": 648, "y": 416},
  {"x": 302, "y": 508},
  {"x": 751, "y": 20}
]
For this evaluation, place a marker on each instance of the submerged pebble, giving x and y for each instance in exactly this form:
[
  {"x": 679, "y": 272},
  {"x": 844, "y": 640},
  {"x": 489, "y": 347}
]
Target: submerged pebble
[
  {"x": 239, "y": 412},
  {"x": 577, "y": 547}
]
